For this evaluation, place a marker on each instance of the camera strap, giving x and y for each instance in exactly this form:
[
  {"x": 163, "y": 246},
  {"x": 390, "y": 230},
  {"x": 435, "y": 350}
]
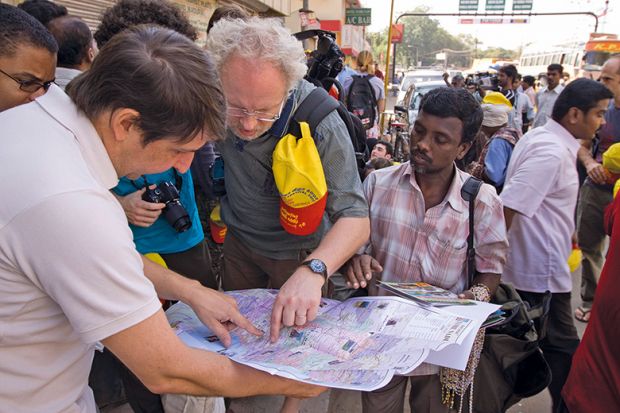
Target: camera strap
[{"x": 178, "y": 181}]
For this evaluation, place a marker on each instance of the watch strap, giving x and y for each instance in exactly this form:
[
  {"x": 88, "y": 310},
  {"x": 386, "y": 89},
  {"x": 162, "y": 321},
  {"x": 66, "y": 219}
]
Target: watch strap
[{"x": 308, "y": 263}]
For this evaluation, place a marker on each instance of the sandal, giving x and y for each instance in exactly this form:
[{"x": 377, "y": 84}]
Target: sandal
[{"x": 582, "y": 314}]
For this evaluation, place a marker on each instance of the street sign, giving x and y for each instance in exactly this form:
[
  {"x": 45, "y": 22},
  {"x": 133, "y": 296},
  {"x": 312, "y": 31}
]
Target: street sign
[
  {"x": 495, "y": 5},
  {"x": 522, "y": 5},
  {"x": 397, "y": 32},
  {"x": 468, "y": 5},
  {"x": 497, "y": 20},
  {"x": 357, "y": 17}
]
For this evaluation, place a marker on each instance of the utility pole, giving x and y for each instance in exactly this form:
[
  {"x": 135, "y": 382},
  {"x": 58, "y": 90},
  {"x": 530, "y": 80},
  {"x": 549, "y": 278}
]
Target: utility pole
[
  {"x": 387, "y": 63},
  {"x": 306, "y": 9}
]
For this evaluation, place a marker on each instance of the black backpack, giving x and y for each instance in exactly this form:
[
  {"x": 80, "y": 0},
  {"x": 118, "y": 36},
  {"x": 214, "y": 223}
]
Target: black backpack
[
  {"x": 316, "y": 106},
  {"x": 361, "y": 100}
]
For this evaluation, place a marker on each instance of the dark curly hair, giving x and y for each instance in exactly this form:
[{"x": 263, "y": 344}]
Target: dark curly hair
[
  {"x": 130, "y": 13},
  {"x": 43, "y": 10},
  {"x": 20, "y": 28}
]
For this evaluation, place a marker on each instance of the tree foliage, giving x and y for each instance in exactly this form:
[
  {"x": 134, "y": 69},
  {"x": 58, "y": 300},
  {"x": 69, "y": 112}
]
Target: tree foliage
[{"x": 424, "y": 38}]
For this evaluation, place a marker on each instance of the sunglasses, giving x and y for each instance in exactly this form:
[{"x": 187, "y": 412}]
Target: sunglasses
[{"x": 30, "y": 86}]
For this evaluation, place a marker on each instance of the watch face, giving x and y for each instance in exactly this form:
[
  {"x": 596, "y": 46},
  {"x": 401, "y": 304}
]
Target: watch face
[{"x": 317, "y": 266}]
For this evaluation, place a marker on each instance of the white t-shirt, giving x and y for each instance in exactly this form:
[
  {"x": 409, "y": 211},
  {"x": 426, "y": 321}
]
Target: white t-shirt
[
  {"x": 69, "y": 272},
  {"x": 542, "y": 186}
]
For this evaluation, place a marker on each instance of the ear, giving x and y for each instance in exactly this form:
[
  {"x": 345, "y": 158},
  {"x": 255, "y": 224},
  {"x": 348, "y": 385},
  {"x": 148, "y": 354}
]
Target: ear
[
  {"x": 574, "y": 116},
  {"x": 462, "y": 149},
  {"x": 90, "y": 56},
  {"x": 123, "y": 123}
]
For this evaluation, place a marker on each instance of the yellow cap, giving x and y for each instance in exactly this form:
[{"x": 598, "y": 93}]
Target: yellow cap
[
  {"x": 496, "y": 98},
  {"x": 611, "y": 158}
]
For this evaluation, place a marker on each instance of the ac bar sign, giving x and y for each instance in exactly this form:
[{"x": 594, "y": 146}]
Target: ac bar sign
[{"x": 357, "y": 17}]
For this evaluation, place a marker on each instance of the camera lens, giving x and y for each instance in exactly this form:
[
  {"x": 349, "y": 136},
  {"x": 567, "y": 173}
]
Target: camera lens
[{"x": 177, "y": 216}]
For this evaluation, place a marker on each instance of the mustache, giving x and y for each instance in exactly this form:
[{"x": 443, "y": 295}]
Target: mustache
[{"x": 421, "y": 154}]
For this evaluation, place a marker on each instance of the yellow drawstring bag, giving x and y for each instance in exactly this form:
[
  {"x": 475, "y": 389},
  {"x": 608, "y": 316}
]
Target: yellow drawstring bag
[
  {"x": 299, "y": 177},
  {"x": 217, "y": 226}
]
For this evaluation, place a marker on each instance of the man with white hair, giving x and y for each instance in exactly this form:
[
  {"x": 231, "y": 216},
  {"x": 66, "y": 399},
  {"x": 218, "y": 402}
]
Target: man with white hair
[
  {"x": 495, "y": 155},
  {"x": 261, "y": 66}
]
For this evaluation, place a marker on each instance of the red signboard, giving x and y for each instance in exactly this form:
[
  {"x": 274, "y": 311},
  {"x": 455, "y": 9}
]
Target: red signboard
[{"x": 397, "y": 32}]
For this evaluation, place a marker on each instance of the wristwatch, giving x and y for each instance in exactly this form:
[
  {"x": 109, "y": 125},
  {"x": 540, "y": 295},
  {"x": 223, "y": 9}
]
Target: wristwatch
[{"x": 316, "y": 266}]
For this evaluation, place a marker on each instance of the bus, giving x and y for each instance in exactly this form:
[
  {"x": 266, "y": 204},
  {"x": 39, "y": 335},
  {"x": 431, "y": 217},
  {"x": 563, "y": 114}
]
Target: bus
[
  {"x": 580, "y": 59},
  {"x": 534, "y": 60},
  {"x": 598, "y": 49}
]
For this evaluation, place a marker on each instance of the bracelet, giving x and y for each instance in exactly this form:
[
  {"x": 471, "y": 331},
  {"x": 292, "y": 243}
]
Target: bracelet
[{"x": 481, "y": 292}]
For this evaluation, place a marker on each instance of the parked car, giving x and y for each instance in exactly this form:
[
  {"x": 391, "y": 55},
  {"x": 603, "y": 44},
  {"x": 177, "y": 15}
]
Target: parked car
[
  {"x": 413, "y": 95},
  {"x": 414, "y": 77}
]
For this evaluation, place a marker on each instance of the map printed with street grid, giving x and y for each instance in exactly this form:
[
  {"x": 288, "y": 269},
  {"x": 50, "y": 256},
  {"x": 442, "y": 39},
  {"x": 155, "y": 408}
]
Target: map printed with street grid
[{"x": 358, "y": 344}]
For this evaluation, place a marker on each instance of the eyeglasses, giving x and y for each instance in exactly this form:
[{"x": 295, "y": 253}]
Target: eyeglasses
[
  {"x": 30, "y": 86},
  {"x": 260, "y": 116}
]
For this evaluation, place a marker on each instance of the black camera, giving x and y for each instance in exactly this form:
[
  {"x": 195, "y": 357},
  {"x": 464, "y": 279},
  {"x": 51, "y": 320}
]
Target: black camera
[
  {"x": 487, "y": 81},
  {"x": 174, "y": 212},
  {"x": 327, "y": 60}
]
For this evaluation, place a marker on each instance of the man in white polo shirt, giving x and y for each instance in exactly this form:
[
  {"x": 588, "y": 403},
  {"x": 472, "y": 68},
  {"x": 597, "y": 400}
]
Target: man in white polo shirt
[
  {"x": 69, "y": 272},
  {"x": 539, "y": 199}
]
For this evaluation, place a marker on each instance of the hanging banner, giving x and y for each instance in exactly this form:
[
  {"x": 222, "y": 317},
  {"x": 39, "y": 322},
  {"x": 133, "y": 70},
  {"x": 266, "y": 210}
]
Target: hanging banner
[
  {"x": 397, "y": 32},
  {"x": 497, "y": 20}
]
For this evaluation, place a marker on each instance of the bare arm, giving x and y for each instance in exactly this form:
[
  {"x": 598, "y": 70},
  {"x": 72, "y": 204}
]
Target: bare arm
[
  {"x": 165, "y": 365},
  {"x": 491, "y": 281},
  {"x": 445, "y": 77},
  {"x": 381, "y": 105},
  {"x": 508, "y": 215},
  {"x": 359, "y": 270},
  {"x": 595, "y": 170},
  {"x": 218, "y": 311},
  {"x": 301, "y": 294}
]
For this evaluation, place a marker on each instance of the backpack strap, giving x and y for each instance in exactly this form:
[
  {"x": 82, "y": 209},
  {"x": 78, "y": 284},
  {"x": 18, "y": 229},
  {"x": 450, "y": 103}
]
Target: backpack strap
[
  {"x": 469, "y": 192},
  {"x": 314, "y": 108}
]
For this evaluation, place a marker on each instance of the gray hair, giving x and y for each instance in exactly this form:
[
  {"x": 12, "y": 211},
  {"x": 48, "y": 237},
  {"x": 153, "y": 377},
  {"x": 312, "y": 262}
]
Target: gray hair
[{"x": 262, "y": 39}]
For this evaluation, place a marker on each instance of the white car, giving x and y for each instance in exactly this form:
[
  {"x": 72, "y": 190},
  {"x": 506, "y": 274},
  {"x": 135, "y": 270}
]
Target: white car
[
  {"x": 413, "y": 96},
  {"x": 415, "y": 77}
]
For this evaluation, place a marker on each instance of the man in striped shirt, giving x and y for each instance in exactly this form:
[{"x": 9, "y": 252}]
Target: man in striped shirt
[{"x": 419, "y": 228}]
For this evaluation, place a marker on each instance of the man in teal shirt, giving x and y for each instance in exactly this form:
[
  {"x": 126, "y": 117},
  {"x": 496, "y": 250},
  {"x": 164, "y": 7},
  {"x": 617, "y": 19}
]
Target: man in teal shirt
[{"x": 184, "y": 252}]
